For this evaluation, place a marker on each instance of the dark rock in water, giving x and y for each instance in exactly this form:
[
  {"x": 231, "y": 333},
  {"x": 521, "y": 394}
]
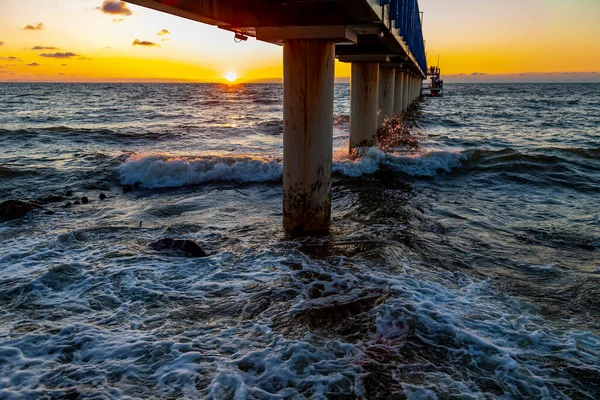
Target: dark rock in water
[
  {"x": 69, "y": 193},
  {"x": 186, "y": 246},
  {"x": 76, "y": 202},
  {"x": 102, "y": 196},
  {"x": 85, "y": 200},
  {"x": 13, "y": 209},
  {"x": 127, "y": 188},
  {"x": 68, "y": 204},
  {"x": 49, "y": 212},
  {"x": 50, "y": 199}
]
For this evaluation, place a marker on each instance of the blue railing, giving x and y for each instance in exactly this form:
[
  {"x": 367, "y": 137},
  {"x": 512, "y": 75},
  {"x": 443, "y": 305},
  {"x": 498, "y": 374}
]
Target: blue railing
[{"x": 406, "y": 20}]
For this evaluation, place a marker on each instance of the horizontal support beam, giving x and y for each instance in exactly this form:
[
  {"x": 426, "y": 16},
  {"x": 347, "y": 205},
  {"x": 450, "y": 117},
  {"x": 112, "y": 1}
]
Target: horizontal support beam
[
  {"x": 378, "y": 58},
  {"x": 277, "y": 34},
  {"x": 392, "y": 65}
]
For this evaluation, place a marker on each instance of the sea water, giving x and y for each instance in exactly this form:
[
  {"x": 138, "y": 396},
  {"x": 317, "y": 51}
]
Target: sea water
[{"x": 468, "y": 268}]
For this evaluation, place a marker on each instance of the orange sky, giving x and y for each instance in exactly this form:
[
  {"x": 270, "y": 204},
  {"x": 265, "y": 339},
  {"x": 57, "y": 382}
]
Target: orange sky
[{"x": 73, "y": 40}]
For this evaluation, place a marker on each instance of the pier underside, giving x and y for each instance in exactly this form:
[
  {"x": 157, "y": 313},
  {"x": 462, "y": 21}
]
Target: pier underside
[{"x": 382, "y": 40}]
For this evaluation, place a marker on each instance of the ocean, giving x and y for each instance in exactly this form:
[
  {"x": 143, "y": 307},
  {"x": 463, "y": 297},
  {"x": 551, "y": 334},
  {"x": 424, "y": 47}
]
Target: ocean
[{"x": 468, "y": 267}]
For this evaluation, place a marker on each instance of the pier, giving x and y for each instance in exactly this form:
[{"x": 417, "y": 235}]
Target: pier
[{"x": 383, "y": 41}]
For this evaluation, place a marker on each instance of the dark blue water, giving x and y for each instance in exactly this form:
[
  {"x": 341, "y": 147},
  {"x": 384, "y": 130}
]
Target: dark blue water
[{"x": 468, "y": 268}]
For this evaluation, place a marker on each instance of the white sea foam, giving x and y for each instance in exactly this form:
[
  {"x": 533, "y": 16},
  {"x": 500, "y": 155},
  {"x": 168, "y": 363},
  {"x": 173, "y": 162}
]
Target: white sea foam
[
  {"x": 162, "y": 171},
  {"x": 425, "y": 164}
]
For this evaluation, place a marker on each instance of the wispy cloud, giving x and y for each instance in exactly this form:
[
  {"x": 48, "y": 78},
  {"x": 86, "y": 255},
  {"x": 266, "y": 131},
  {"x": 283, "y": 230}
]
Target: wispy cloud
[
  {"x": 34, "y": 64},
  {"x": 146, "y": 43},
  {"x": 37, "y": 27},
  {"x": 44, "y": 48},
  {"x": 163, "y": 32},
  {"x": 59, "y": 55},
  {"x": 1, "y": 43},
  {"x": 117, "y": 20},
  {"x": 10, "y": 58},
  {"x": 478, "y": 73},
  {"x": 115, "y": 7}
]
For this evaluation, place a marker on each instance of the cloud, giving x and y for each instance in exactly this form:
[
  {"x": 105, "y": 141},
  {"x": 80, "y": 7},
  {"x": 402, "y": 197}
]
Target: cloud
[
  {"x": 34, "y": 64},
  {"x": 59, "y": 55},
  {"x": 44, "y": 48},
  {"x": 10, "y": 58},
  {"x": 1, "y": 43},
  {"x": 118, "y": 19},
  {"x": 115, "y": 7},
  {"x": 138, "y": 42},
  {"x": 163, "y": 32},
  {"x": 63, "y": 65},
  {"x": 478, "y": 74},
  {"x": 37, "y": 27}
]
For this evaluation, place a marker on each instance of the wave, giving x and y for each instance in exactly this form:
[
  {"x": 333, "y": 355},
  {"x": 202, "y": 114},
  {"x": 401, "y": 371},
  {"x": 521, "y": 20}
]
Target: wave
[
  {"x": 154, "y": 171},
  {"x": 426, "y": 164},
  {"x": 163, "y": 171}
]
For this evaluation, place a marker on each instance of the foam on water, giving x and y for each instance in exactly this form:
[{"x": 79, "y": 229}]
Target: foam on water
[
  {"x": 163, "y": 171},
  {"x": 207, "y": 330}
]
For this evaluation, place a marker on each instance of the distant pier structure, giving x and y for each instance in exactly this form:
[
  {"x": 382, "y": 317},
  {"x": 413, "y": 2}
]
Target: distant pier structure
[{"x": 383, "y": 41}]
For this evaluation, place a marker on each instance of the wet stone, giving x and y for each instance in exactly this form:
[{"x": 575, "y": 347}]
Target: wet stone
[
  {"x": 51, "y": 199},
  {"x": 76, "y": 202},
  {"x": 14, "y": 209},
  {"x": 85, "y": 200},
  {"x": 127, "y": 188},
  {"x": 102, "y": 196}
]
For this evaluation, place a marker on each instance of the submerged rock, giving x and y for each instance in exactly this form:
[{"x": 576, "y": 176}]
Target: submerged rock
[
  {"x": 50, "y": 199},
  {"x": 85, "y": 200},
  {"x": 13, "y": 209},
  {"x": 127, "y": 188},
  {"x": 185, "y": 246},
  {"x": 102, "y": 196}
]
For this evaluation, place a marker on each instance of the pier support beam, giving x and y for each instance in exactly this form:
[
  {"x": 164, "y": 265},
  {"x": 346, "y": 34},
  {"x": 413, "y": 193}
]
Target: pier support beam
[
  {"x": 415, "y": 94},
  {"x": 308, "y": 67},
  {"x": 398, "y": 90},
  {"x": 364, "y": 83},
  {"x": 406, "y": 93},
  {"x": 418, "y": 85},
  {"x": 385, "y": 100}
]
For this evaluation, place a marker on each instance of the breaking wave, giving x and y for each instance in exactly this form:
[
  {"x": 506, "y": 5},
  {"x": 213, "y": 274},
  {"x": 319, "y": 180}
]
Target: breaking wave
[
  {"x": 163, "y": 171},
  {"x": 154, "y": 171}
]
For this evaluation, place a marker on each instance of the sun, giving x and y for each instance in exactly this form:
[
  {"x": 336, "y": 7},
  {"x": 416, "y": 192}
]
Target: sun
[{"x": 231, "y": 76}]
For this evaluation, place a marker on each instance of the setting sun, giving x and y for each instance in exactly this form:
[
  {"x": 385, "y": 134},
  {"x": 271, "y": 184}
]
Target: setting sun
[{"x": 231, "y": 76}]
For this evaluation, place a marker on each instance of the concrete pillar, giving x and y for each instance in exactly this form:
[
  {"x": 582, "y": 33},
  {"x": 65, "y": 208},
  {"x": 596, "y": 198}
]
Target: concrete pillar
[
  {"x": 414, "y": 88},
  {"x": 364, "y": 82},
  {"x": 385, "y": 99},
  {"x": 406, "y": 96},
  {"x": 418, "y": 85},
  {"x": 308, "y": 67},
  {"x": 398, "y": 90},
  {"x": 411, "y": 90}
]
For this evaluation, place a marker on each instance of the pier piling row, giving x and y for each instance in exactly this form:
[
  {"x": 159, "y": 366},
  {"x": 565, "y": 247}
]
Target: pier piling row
[{"x": 381, "y": 38}]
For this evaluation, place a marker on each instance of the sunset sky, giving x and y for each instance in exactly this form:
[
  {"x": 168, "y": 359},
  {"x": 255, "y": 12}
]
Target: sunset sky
[{"x": 75, "y": 40}]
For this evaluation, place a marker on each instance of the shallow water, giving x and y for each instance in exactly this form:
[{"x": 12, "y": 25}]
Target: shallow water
[{"x": 469, "y": 269}]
